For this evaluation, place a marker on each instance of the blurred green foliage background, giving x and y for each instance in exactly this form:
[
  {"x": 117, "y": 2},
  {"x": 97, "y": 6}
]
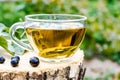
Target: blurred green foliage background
[{"x": 102, "y": 38}]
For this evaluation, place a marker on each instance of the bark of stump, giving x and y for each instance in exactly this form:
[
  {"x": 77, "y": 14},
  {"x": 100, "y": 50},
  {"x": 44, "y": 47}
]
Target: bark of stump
[{"x": 72, "y": 70}]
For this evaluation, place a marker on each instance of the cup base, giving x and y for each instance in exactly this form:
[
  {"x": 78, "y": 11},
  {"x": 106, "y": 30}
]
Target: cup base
[
  {"x": 55, "y": 60},
  {"x": 60, "y": 60}
]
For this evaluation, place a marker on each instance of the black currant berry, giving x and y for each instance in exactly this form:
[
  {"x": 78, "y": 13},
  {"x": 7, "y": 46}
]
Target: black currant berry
[
  {"x": 34, "y": 61},
  {"x": 2, "y": 59}
]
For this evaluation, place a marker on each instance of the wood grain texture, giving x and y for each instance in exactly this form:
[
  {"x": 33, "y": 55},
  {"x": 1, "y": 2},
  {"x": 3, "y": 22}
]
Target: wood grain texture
[{"x": 50, "y": 75}]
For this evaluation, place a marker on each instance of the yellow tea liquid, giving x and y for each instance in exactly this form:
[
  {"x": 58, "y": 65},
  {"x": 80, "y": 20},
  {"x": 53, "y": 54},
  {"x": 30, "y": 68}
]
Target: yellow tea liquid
[{"x": 55, "y": 44}]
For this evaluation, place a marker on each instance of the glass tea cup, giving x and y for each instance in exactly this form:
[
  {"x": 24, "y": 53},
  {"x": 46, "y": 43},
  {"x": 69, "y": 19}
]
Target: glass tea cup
[{"x": 54, "y": 37}]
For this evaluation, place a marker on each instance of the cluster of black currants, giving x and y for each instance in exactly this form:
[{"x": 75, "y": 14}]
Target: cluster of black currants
[
  {"x": 34, "y": 61},
  {"x": 15, "y": 60}
]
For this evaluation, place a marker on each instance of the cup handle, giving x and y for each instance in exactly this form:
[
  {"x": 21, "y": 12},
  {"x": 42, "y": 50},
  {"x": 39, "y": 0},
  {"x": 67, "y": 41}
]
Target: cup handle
[{"x": 13, "y": 29}]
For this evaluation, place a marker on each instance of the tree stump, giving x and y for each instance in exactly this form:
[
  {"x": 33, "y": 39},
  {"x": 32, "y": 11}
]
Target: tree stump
[{"x": 71, "y": 70}]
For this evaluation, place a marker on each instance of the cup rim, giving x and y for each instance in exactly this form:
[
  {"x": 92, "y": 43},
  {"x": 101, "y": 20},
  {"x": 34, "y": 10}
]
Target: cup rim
[{"x": 80, "y": 18}]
